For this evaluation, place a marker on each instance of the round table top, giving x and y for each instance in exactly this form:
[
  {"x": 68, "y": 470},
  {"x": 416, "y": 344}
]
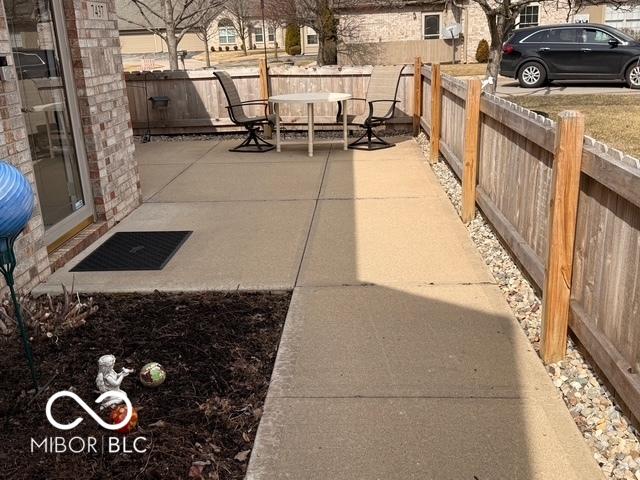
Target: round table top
[{"x": 310, "y": 97}]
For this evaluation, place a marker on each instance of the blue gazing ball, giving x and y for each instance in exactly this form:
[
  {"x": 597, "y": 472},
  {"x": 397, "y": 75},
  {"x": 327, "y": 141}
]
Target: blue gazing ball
[{"x": 16, "y": 200}]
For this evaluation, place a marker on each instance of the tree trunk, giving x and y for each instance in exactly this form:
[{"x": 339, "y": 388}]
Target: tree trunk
[
  {"x": 172, "y": 41},
  {"x": 499, "y": 28},
  {"x": 172, "y": 48},
  {"x": 327, "y": 51},
  {"x": 207, "y": 57},
  {"x": 493, "y": 66},
  {"x": 327, "y": 29},
  {"x": 275, "y": 41}
]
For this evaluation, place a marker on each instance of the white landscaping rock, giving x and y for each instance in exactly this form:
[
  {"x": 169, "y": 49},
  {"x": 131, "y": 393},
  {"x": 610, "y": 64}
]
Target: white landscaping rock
[{"x": 602, "y": 424}]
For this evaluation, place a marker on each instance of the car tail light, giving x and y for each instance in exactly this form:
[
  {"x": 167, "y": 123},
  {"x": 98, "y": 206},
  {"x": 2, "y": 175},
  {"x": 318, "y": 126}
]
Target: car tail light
[{"x": 508, "y": 49}]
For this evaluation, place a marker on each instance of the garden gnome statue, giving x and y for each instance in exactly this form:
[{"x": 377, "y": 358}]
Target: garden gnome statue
[{"x": 108, "y": 380}]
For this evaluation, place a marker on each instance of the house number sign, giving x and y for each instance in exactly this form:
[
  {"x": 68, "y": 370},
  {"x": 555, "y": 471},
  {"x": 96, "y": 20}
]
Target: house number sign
[{"x": 97, "y": 10}]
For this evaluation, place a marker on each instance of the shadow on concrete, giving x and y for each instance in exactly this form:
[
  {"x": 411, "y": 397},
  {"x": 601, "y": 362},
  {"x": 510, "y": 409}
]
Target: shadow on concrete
[{"x": 400, "y": 358}]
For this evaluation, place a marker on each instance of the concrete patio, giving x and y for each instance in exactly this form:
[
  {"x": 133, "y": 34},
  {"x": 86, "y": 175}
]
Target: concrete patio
[{"x": 400, "y": 358}]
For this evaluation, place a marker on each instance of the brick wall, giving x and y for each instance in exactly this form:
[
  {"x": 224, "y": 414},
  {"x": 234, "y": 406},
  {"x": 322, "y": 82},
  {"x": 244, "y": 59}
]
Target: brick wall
[
  {"x": 476, "y": 28},
  {"x": 104, "y": 110},
  {"x": 388, "y": 26},
  {"x": 106, "y": 125},
  {"x": 33, "y": 264},
  {"x": 396, "y": 25}
]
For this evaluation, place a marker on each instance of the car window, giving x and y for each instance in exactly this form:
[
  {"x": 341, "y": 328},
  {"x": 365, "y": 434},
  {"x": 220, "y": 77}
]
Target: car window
[
  {"x": 538, "y": 37},
  {"x": 563, "y": 35},
  {"x": 591, "y": 35}
]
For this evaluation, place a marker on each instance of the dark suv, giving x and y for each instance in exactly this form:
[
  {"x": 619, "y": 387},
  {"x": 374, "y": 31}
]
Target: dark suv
[{"x": 579, "y": 51}]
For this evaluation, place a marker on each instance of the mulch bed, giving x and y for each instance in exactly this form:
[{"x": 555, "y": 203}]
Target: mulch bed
[{"x": 218, "y": 350}]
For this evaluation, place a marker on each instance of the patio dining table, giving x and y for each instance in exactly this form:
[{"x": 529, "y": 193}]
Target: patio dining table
[{"x": 310, "y": 99}]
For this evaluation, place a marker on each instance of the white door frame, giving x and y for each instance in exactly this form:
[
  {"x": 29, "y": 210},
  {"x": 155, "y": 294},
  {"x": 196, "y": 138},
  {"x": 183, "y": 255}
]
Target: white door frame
[{"x": 61, "y": 228}]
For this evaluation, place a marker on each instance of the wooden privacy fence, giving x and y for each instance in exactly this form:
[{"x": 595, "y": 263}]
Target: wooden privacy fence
[
  {"x": 197, "y": 103},
  {"x": 567, "y": 206}
]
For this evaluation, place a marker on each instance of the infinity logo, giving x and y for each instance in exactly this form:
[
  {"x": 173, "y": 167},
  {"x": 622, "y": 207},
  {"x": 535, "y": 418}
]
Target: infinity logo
[{"x": 94, "y": 415}]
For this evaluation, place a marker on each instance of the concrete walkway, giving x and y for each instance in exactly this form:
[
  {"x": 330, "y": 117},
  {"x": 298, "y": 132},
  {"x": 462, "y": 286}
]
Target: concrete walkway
[{"x": 400, "y": 358}]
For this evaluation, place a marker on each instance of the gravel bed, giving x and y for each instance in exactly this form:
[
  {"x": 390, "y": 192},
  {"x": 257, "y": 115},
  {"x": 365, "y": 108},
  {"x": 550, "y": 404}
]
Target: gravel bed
[
  {"x": 286, "y": 134},
  {"x": 609, "y": 433}
]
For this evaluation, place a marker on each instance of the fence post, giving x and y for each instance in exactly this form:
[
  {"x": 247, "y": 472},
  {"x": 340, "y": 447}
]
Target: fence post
[
  {"x": 263, "y": 72},
  {"x": 470, "y": 160},
  {"x": 436, "y": 111},
  {"x": 565, "y": 190},
  {"x": 417, "y": 95}
]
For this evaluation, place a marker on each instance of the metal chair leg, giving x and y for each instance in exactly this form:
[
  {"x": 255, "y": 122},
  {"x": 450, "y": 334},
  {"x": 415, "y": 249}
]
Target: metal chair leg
[
  {"x": 253, "y": 143},
  {"x": 370, "y": 143}
]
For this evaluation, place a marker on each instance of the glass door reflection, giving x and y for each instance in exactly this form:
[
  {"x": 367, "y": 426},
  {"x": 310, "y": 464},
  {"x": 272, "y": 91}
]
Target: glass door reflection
[{"x": 45, "y": 106}]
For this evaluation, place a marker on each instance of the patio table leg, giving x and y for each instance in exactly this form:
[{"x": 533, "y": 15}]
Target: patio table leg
[
  {"x": 345, "y": 133},
  {"x": 276, "y": 109},
  {"x": 310, "y": 127}
]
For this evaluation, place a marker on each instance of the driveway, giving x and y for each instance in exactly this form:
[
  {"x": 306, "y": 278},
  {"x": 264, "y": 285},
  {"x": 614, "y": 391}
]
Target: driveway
[{"x": 509, "y": 87}]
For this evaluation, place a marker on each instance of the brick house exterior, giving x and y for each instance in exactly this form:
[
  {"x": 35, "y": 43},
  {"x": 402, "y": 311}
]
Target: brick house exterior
[
  {"x": 221, "y": 35},
  {"x": 396, "y": 24},
  {"x": 98, "y": 81}
]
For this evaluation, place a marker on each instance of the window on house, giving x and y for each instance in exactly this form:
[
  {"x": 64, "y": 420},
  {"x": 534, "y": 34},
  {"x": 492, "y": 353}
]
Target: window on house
[
  {"x": 529, "y": 16},
  {"x": 226, "y": 32},
  {"x": 271, "y": 34},
  {"x": 312, "y": 38},
  {"x": 258, "y": 35},
  {"x": 431, "y": 26}
]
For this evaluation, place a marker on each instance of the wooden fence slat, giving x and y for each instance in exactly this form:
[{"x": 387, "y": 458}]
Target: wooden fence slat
[
  {"x": 436, "y": 111},
  {"x": 620, "y": 373},
  {"x": 562, "y": 228},
  {"x": 614, "y": 174},
  {"x": 417, "y": 95},
  {"x": 470, "y": 158},
  {"x": 542, "y": 135}
]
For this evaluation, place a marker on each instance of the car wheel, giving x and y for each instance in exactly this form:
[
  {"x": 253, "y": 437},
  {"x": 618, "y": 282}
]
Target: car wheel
[
  {"x": 633, "y": 76},
  {"x": 532, "y": 75}
]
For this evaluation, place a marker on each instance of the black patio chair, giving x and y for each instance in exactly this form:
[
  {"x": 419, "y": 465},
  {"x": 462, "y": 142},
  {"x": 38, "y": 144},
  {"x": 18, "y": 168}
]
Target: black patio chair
[
  {"x": 381, "y": 100},
  {"x": 254, "y": 143}
]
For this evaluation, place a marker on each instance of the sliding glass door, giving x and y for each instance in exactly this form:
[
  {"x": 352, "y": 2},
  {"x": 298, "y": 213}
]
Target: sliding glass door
[{"x": 43, "y": 64}]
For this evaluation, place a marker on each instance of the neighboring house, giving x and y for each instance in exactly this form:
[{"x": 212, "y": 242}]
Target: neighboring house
[
  {"x": 222, "y": 33},
  {"x": 623, "y": 19},
  {"x": 308, "y": 41},
  {"x": 400, "y": 33},
  {"x": 136, "y": 39}
]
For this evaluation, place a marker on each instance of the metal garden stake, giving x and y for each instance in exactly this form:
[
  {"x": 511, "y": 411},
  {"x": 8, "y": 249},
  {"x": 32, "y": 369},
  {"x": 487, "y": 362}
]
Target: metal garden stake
[{"x": 16, "y": 207}]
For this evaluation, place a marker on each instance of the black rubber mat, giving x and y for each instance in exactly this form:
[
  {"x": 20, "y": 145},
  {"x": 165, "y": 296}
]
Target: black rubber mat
[{"x": 134, "y": 251}]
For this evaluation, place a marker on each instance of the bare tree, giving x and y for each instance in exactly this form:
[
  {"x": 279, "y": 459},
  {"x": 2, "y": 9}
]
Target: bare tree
[
  {"x": 322, "y": 17},
  {"x": 241, "y": 12},
  {"x": 170, "y": 20},
  {"x": 204, "y": 32},
  {"x": 502, "y": 16},
  {"x": 576, "y": 6},
  {"x": 274, "y": 20}
]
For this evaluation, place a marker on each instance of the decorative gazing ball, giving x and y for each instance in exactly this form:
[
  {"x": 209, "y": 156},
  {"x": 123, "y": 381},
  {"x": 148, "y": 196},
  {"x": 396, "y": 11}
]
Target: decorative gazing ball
[
  {"x": 152, "y": 375},
  {"x": 16, "y": 200},
  {"x": 119, "y": 413}
]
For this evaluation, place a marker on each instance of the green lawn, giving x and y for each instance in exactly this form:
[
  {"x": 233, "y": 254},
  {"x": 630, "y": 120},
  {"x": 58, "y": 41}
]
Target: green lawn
[{"x": 612, "y": 119}]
